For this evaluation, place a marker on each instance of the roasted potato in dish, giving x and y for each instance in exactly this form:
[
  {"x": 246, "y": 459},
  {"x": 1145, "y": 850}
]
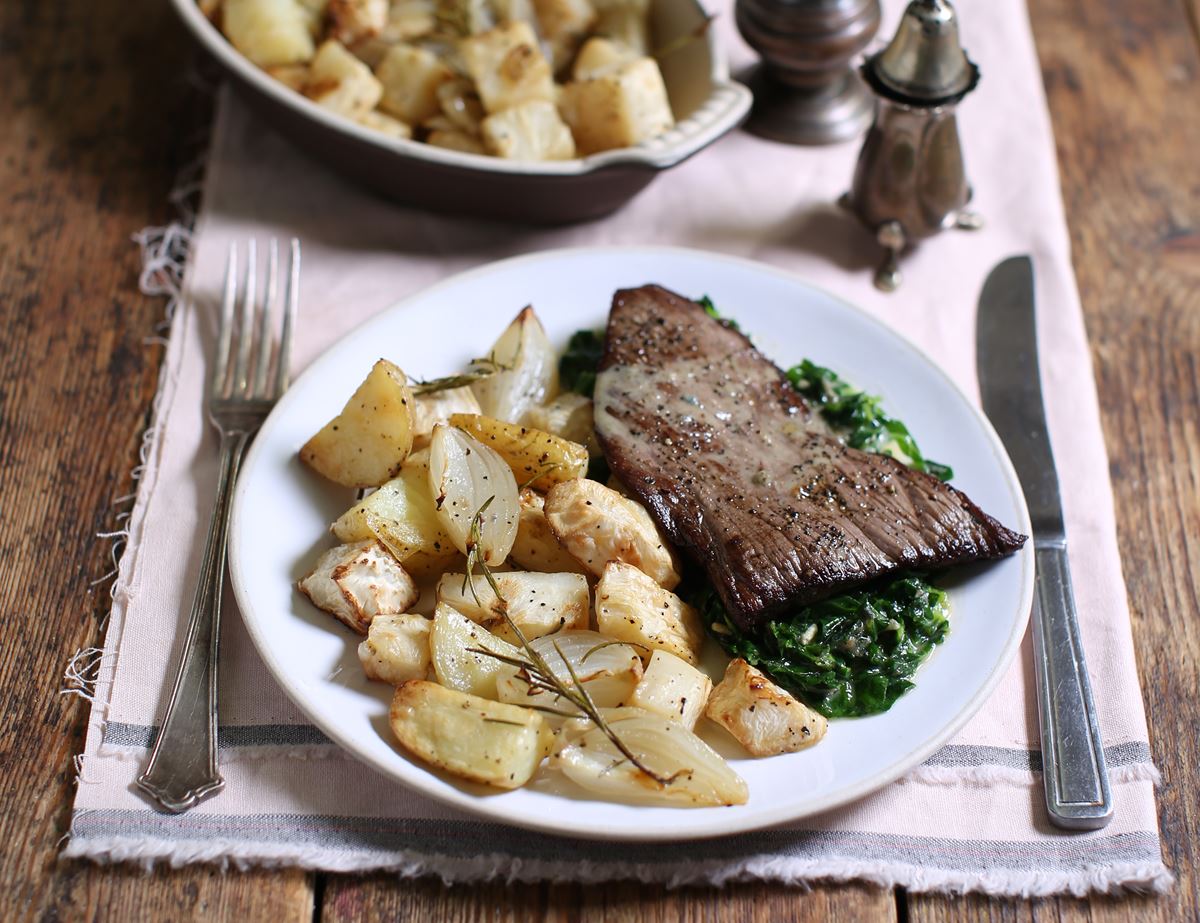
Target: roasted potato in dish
[{"x": 538, "y": 459}]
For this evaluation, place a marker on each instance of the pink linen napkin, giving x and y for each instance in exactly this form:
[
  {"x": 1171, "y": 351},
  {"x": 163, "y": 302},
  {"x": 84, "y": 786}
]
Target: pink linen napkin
[{"x": 970, "y": 818}]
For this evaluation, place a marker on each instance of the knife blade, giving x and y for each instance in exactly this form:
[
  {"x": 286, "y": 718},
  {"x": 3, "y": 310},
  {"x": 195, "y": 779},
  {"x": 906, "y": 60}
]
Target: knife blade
[{"x": 1078, "y": 794}]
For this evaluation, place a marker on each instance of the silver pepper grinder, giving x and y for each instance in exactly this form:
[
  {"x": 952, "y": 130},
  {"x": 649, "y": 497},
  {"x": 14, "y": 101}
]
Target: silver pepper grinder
[{"x": 910, "y": 182}]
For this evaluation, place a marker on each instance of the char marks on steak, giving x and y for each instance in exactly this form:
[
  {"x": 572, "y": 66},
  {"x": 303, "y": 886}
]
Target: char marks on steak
[{"x": 745, "y": 477}]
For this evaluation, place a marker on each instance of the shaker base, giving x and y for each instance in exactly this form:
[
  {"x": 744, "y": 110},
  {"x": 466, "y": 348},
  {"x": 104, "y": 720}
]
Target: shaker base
[{"x": 795, "y": 116}]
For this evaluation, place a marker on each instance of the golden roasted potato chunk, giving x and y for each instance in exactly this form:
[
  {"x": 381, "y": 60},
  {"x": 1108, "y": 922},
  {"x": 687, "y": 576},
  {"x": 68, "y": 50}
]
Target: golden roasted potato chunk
[
  {"x": 268, "y": 32},
  {"x": 358, "y": 582},
  {"x": 368, "y": 441},
  {"x": 454, "y": 645},
  {"x": 617, "y": 109},
  {"x": 453, "y": 139},
  {"x": 401, "y": 514},
  {"x": 508, "y": 66},
  {"x": 630, "y": 606},
  {"x": 397, "y": 648},
  {"x": 597, "y": 525},
  {"x": 765, "y": 719},
  {"x": 626, "y": 23},
  {"x": 470, "y": 737},
  {"x": 538, "y": 459},
  {"x": 536, "y": 546},
  {"x": 674, "y": 688},
  {"x": 339, "y": 81},
  {"x": 538, "y": 604},
  {"x": 564, "y": 24}
]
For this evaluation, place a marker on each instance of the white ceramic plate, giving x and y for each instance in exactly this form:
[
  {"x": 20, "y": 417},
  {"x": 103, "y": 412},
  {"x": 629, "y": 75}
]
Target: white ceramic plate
[{"x": 281, "y": 513}]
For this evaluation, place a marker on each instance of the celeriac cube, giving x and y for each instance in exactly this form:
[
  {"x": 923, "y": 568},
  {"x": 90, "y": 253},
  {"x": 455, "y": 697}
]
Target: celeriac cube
[
  {"x": 508, "y": 66},
  {"x": 292, "y": 76},
  {"x": 626, "y": 22},
  {"x": 357, "y": 582},
  {"x": 515, "y": 11},
  {"x": 673, "y": 688},
  {"x": 536, "y": 547},
  {"x": 765, "y": 719},
  {"x": 409, "y": 19},
  {"x": 530, "y": 131},
  {"x": 385, "y": 124},
  {"x": 411, "y": 77},
  {"x": 339, "y": 81},
  {"x": 632, "y": 607},
  {"x": 397, "y": 648},
  {"x": 489, "y": 742},
  {"x": 597, "y": 525},
  {"x": 600, "y": 56},
  {"x": 617, "y": 109},
  {"x": 353, "y": 21},
  {"x": 268, "y": 32},
  {"x": 564, "y": 23},
  {"x": 569, "y": 415},
  {"x": 537, "y": 603},
  {"x": 455, "y": 140}
]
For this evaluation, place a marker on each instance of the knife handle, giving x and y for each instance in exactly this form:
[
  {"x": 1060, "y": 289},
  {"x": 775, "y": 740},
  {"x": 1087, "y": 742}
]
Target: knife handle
[{"x": 1078, "y": 795}]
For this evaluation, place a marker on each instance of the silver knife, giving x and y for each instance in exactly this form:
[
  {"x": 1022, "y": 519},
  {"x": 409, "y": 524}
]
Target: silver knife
[{"x": 1078, "y": 795}]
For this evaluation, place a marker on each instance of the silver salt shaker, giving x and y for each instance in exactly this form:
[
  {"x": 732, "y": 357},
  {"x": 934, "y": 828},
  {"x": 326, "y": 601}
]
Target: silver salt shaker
[{"x": 909, "y": 182}]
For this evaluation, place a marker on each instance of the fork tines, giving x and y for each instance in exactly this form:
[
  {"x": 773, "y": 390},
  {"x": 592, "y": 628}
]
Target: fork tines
[{"x": 256, "y": 373}]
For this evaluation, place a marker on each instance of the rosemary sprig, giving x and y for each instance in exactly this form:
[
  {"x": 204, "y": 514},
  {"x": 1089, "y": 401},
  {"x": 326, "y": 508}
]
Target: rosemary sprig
[
  {"x": 537, "y": 671},
  {"x": 684, "y": 40},
  {"x": 481, "y": 368}
]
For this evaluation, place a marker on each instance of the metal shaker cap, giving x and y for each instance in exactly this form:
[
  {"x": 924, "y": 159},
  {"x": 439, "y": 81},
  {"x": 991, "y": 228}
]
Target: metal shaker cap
[{"x": 924, "y": 64}]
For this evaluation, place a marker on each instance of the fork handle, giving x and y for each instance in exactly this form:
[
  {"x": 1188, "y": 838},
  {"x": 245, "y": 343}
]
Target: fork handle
[{"x": 183, "y": 764}]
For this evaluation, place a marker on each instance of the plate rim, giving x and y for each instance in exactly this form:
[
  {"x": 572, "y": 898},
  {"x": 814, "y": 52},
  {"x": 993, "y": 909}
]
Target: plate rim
[{"x": 487, "y": 808}]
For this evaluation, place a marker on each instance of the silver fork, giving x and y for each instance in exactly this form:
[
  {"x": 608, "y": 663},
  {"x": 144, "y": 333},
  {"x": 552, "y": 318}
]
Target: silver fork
[{"x": 182, "y": 768}]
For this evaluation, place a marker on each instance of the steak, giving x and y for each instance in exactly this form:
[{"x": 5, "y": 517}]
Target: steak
[{"x": 746, "y": 479}]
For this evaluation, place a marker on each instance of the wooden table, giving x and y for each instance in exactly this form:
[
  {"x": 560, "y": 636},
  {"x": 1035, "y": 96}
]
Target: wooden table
[{"x": 96, "y": 122}]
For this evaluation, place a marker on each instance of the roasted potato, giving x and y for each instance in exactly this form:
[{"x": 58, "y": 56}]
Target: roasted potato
[
  {"x": 630, "y": 606},
  {"x": 597, "y": 525},
  {"x": 339, "y": 81},
  {"x": 410, "y": 77},
  {"x": 453, "y": 641},
  {"x": 673, "y": 688},
  {"x": 765, "y": 719},
  {"x": 402, "y": 514},
  {"x": 538, "y": 459},
  {"x": 626, "y": 23},
  {"x": 470, "y": 737},
  {"x": 268, "y": 32},
  {"x": 453, "y": 139},
  {"x": 357, "y": 582},
  {"x": 369, "y": 440},
  {"x": 617, "y": 109},
  {"x": 532, "y": 130},
  {"x": 536, "y": 547},
  {"x": 508, "y": 66},
  {"x": 538, "y": 604},
  {"x": 397, "y": 648}
]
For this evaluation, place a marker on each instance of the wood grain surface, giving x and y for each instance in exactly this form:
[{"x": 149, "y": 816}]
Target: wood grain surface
[{"x": 97, "y": 121}]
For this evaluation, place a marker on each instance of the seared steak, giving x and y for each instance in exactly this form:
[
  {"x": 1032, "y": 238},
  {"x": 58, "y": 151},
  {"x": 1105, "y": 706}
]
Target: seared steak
[{"x": 745, "y": 478}]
